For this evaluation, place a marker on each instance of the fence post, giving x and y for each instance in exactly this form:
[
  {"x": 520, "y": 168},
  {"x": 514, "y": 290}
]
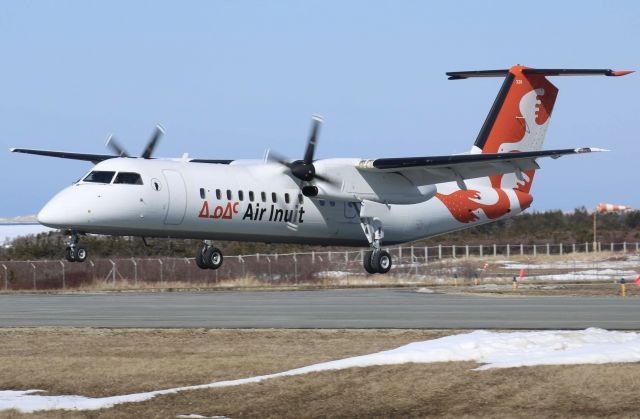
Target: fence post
[
  {"x": 586, "y": 247},
  {"x": 521, "y": 249},
  {"x": 113, "y": 272},
  {"x": 439, "y": 251},
  {"x": 573, "y": 248},
  {"x": 135, "y": 271},
  {"x": 548, "y": 249},
  {"x": 561, "y": 249},
  {"x": 535, "y": 250},
  {"x": 6, "y": 276},
  {"x": 244, "y": 271},
  {"x": 466, "y": 250},
  {"x": 412, "y": 256},
  {"x": 34, "y": 275},
  {"x": 624, "y": 247},
  {"x": 295, "y": 267},
  {"x": 481, "y": 250},
  {"x": 453, "y": 250},
  {"x": 63, "y": 279},
  {"x": 400, "y": 254},
  {"x": 161, "y": 271},
  {"x": 495, "y": 250},
  {"x": 346, "y": 256},
  {"x": 313, "y": 256},
  {"x": 508, "y": 250},
  {"x": 611, "y": 246},
  {"x": 426, "y": 254}
]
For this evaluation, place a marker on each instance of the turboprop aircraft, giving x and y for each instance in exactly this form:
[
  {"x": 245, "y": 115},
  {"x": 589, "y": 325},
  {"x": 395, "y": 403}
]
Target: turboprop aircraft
[{"x": 337, "y": 201}]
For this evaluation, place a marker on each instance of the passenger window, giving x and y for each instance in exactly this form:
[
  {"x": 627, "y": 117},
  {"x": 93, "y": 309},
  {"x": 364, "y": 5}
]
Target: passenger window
[
  {"x": 332, "y": 203},
  {"x": 286, "y": 198},
  {"x": 321, "y": 202},
  {"x": 263, "y": 196},
  {"x": 240, "y": 196},
  {"x": 229, "y": 194},
  {"x": 251, "y": 197},
  {"x": 202, "y": 194},
  {"x": 274, "y": 197},
  {"x": 99, "y": 177},
  {"x": 127, "y": 178},
  {"x": 218, "y": 194},
  {"x": 300, "y": 199}
]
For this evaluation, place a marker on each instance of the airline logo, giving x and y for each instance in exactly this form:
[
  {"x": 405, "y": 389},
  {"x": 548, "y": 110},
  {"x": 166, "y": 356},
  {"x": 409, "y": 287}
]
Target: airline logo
[{"x": 253, "y": 212}]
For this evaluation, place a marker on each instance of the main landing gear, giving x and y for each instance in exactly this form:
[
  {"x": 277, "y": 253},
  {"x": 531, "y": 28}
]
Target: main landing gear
[
  {"x": 73, "y": 252},
  {"x": 376, "y": 260},
  {"x": 208, "y": 256}
]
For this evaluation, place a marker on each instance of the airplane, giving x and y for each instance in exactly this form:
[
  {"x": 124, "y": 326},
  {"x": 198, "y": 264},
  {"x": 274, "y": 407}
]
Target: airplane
[{"x": 336, "y": 201}]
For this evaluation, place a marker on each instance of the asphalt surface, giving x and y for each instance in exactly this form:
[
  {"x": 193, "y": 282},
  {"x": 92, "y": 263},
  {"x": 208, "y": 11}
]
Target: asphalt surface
[{"x": 364, "y": 308}]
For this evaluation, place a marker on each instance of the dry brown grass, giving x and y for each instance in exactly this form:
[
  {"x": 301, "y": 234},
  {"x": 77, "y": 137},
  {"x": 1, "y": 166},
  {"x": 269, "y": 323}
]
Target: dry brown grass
[{"x": 107, "y": 362}]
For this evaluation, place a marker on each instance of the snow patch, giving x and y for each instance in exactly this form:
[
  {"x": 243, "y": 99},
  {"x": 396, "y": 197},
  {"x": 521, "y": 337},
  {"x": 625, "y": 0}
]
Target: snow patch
[{"x": 492, "y": 349}]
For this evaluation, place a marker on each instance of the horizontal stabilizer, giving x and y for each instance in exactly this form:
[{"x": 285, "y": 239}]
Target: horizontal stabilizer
[{"x": 459, "y": 75}]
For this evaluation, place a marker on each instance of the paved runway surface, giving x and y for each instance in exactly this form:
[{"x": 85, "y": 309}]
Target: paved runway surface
[{"x": 368, "y": 308}]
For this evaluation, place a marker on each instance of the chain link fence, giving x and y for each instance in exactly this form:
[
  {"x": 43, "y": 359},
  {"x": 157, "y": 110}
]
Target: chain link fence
[{"x": 412, "y": 264}]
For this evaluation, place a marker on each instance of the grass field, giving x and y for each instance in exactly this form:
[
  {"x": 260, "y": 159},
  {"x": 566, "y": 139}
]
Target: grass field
[{"x": 101, "y": 362}]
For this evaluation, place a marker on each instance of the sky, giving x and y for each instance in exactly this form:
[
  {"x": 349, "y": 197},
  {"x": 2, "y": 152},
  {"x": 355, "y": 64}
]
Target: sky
[{"x": 229, "y": 79}]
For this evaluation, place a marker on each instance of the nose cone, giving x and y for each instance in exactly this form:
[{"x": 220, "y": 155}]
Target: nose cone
[
  {"x": 53, "y": 215},
  {"x": 60, "y": 212}
]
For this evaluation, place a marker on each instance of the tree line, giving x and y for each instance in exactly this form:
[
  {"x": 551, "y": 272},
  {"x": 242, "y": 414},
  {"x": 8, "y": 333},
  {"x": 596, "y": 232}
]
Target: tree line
[{"x": 526, "y": 228}]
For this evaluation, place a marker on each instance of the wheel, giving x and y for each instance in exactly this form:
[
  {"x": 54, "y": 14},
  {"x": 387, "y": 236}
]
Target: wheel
[
  {"x": 366, "y": 262},
  {"x": 381, "y": 261},
  {"x": 202, "y": 248},
  {"x": 80, "y": 254},
  {"x": 68, "y": 254},
  {"x": 213, "y": 257}
]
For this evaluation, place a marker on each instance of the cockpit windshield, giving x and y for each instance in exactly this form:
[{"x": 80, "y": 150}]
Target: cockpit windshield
[
  {"x": 98, "y": 176},
  {"x": 128, "y": 178}
]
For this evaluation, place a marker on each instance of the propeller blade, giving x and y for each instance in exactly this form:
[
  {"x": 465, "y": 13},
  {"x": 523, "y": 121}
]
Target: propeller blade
[
  {"x": 328, "y": 180},
  {"x": 313, "y": 136},
  {"x": 115, "y": 146},
  {"x": 277, "y": 158},
  {"x": 151, "y": 145}
]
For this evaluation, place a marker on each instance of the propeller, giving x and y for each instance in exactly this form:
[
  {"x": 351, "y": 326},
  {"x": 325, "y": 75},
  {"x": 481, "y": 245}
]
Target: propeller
[
  {"x": 148, "y": 150},
  {"x": 304, "y": 169}
]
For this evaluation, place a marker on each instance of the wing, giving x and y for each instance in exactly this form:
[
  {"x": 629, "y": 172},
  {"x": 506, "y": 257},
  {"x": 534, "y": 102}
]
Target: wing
[
  {"x": 439, "y": 169},
  {"x": 95, "y": 158}
]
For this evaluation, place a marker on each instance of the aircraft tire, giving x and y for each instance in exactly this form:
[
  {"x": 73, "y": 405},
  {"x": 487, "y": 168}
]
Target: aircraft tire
[
  {"x": 213, "y": 257},
  {"x": 366, "y": 262},
  {"x": 381, "y": 261},
  {"x": 200, "y": 256},
  {"x": 80, "y": 254},
  {"x": 68, "y": 254}
]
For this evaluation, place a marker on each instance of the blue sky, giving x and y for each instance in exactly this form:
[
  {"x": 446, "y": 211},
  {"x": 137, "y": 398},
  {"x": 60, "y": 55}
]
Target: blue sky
[{"x": 228, "y": 79}]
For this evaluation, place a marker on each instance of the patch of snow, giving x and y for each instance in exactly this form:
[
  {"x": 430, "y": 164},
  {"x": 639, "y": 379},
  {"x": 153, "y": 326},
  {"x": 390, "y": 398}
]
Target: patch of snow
[
  {"x": 492, "y": 349},
  {"x": 332, "y": 274},
  {"x": 630, "y": 262},
  {"x": 425, "y": 290},
  {"x": 589, "y": 275}
]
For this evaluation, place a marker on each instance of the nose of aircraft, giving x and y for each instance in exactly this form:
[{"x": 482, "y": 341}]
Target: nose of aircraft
[{"x": 59, "y": 212}]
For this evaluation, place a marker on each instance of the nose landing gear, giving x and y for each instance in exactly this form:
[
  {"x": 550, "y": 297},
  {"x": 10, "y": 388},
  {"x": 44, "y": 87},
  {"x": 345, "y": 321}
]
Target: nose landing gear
[
  {"x": 208, "y": 256},
  {"x": 73, "y": 252}
]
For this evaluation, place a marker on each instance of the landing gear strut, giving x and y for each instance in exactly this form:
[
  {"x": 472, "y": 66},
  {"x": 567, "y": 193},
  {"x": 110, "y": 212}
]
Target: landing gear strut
[
  {"x": 73, "y": 252},
  {"x": 208, "y": 256},
  {"x": 375, "y": 260}
]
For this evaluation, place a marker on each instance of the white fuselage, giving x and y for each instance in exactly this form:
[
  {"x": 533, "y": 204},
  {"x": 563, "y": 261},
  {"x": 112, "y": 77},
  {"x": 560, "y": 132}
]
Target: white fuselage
[{"x": 184, "y": 199}]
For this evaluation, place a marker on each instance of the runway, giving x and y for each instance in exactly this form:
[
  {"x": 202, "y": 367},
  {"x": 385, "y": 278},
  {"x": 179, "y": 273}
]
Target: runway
[{"x": 361, "y": 308}]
